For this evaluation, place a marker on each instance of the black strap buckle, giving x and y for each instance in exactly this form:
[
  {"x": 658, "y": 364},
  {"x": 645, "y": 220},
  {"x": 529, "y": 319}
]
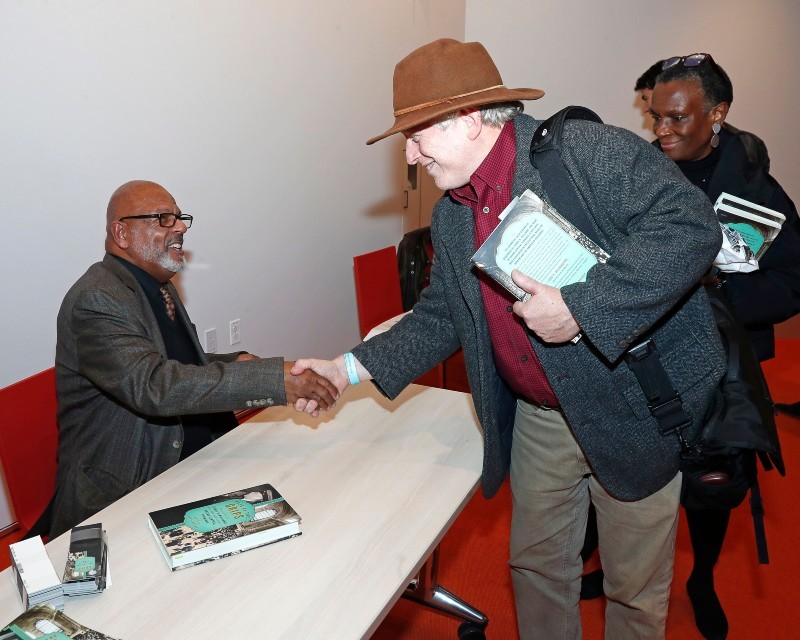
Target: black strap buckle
[
  {"x": 640, "y": 351},
  {"x": 671, "y": 418}
]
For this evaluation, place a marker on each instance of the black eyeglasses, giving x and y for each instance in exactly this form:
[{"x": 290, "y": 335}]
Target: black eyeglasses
[
  {"x": 693, "y": 60},
  {"x": 164, "y": 219}
]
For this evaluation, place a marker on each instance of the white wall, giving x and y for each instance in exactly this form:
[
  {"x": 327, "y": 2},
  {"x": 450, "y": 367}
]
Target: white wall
[
  {"x": 591, "y": 53},
  {"x": 253, "y": 113}
]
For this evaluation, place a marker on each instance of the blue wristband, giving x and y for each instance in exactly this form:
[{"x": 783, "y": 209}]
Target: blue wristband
[{"x": 350, "y": 366}]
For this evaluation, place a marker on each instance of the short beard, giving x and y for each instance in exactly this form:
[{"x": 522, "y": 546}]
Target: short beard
[
  {"x": 170, "y": 264},
  {"x": 162, "y": 258}
]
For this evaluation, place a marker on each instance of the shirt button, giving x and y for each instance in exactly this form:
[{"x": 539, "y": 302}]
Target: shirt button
[
  {"x": 486, "y": 209},
  {"x": 524, "y": 358},
  {"x": 177, "y": 444},
  {"x": 499, "y": 187},
  {"x": 509, "y": 308}
]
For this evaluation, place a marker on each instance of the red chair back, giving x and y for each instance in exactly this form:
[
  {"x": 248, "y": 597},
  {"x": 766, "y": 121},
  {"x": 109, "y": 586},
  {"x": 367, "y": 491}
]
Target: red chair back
[
  {"x": 378, "y": 298},
  {"x": 377, "y": 288},
  {"x": 28, "y": 443}
]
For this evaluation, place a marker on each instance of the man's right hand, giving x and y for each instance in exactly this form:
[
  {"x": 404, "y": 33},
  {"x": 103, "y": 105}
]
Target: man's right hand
[
  {"x": 309, "y": 386},
  {"x": 334, "y": 370}
]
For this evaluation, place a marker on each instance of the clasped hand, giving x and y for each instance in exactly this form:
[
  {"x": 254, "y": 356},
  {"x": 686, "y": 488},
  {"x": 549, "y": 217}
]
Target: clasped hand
[
  {"x": 545, "y": 312},
  {"x": 333, "y": 370},
  {"x": 306, "y": 386}
]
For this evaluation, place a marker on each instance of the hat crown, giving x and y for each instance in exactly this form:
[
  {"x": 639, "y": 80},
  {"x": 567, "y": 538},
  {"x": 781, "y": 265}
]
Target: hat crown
[
  {"x": 444, "y": 77},
  {"x": 443, "y": 70}
]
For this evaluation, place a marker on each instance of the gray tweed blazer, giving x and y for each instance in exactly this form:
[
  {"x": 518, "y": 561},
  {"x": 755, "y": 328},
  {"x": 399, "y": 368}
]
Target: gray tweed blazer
[
  {"x": 119, "y": 397},
  {"x": 662, "y": 235}
]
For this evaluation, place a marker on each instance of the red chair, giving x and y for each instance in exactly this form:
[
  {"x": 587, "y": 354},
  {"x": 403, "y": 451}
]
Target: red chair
[
  {"x": 378, "y": 298},
  {"x": 377, "y": 288},
  {"x": 28, "y": 443}
]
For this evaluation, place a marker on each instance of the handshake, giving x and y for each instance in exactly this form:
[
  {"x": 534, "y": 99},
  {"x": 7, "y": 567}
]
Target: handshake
[{"x": 315, "y": 385}]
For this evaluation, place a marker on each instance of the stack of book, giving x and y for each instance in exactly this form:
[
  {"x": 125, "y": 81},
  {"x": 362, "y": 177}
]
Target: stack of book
[
  {"x": 213, "y": 528},
  {"x": 748, "y": 226},
  {"x": 34, "y": 574},
  {"x": 46, "y": 622},
  {"x": 87, "y": 561}
]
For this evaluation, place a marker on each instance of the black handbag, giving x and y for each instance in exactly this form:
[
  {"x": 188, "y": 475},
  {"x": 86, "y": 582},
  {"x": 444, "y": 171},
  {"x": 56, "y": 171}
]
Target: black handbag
[
  {"x": 741, "y": 424},
  {"x": 719, "y": 466}
]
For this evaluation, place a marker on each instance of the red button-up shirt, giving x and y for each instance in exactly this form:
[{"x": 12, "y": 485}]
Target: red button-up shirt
[{"x": 487, "y": 194}]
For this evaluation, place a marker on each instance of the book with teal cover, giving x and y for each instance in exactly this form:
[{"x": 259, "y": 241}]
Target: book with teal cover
[
  {"x": 213, "y": 528},
  {"x": 533, "y": 238},
  {"x": 755, "y": 224},
  {"x": 86, "y": 570}
]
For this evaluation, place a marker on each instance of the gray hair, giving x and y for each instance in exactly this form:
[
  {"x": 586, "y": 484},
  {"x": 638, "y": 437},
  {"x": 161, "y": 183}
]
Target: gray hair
[{"x": 495, "y": 115}]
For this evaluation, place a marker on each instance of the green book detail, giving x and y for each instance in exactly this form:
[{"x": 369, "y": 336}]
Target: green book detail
[
  {"x": 84, "y": 565},
  {"x": 751, "y": 235},
  {"x": 216, "y": 516}
]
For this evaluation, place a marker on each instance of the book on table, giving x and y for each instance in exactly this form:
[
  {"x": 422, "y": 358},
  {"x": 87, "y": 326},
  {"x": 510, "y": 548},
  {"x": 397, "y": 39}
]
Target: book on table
[
  {"x": 213, "y": 528},
  {"x": 34, "y": 575},
  {"x": 47, "y": 622},
  {"x": 535, "y": 239},
  {"x": 86, "y": 570}
]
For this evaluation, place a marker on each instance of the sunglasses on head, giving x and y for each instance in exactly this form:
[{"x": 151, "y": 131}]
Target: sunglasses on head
[{"x": 693, "y": 60}]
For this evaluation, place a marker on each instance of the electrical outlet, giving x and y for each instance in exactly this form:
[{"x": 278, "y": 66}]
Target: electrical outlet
[
  {"x": 236, "y": 337},
  {"x": 211, "y": 340}
]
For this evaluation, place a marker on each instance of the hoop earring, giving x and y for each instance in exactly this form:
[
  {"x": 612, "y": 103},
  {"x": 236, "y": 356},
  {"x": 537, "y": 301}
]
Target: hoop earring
[{"x": 716, "y": 128}]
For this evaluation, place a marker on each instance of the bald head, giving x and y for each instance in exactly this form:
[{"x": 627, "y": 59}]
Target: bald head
[
  {"x": 135, "y": 197},
  {"x": 142, "y": 240}
]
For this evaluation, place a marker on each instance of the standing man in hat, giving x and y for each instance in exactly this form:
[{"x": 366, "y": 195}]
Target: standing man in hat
[{"x": 576, "y": 416}]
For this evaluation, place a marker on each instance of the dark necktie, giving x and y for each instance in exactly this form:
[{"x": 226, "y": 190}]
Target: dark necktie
[{"x": 169, "y": 303}]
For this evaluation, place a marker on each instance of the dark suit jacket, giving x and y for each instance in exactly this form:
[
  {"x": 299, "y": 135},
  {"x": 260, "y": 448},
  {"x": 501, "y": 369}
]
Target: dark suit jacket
[
  {"x": 119, "y": 396},
  {"x": 662, "y": 235}
]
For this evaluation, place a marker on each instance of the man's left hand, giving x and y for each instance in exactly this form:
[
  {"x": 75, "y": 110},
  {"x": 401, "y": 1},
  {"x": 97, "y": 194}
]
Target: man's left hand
[{"x": 544, "y": 312}]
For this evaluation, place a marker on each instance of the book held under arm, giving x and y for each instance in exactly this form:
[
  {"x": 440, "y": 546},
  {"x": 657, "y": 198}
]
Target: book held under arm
[
  {"x": 535, "y": 239},
  {"x": 213, "y": 528},
  {"x": 748, "y": 230}
]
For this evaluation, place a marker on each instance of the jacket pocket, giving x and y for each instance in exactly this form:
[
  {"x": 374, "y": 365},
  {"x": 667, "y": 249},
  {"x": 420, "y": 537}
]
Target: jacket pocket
[{"x": 97, "y": 488}]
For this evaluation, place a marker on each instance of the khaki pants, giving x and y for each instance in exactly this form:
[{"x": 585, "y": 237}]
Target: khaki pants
[{"x": 552, "y": 486}]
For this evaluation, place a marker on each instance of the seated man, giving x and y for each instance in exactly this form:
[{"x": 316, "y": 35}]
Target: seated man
[{"x": 136, "y": 393}]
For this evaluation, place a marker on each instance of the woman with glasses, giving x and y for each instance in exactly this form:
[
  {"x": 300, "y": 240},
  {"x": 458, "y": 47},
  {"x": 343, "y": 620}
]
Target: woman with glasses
[{"x": 689, "y": 105}]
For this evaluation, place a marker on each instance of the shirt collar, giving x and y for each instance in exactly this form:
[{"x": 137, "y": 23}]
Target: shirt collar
[
  {"x": 150, "y": 285},
  {"x": 497, "y": 168}
]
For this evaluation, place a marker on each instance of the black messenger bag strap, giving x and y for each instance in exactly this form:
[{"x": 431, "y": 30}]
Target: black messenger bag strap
[
  {"x": 545, "y": 155},
  {"x": 662, "y": 399}
]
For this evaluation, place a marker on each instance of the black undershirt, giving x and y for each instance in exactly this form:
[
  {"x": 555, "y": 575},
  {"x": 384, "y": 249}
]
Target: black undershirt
[
  {"x": 201, "y": 428},
  {"x": 699, "y": 172}
]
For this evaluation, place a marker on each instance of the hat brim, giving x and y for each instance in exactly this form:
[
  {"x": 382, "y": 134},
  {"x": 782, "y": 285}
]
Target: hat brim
[{"x": 413, "y": 119}]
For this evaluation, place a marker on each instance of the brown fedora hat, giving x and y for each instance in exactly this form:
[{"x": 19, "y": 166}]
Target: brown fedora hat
[{"x": 443, "y": 77}]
